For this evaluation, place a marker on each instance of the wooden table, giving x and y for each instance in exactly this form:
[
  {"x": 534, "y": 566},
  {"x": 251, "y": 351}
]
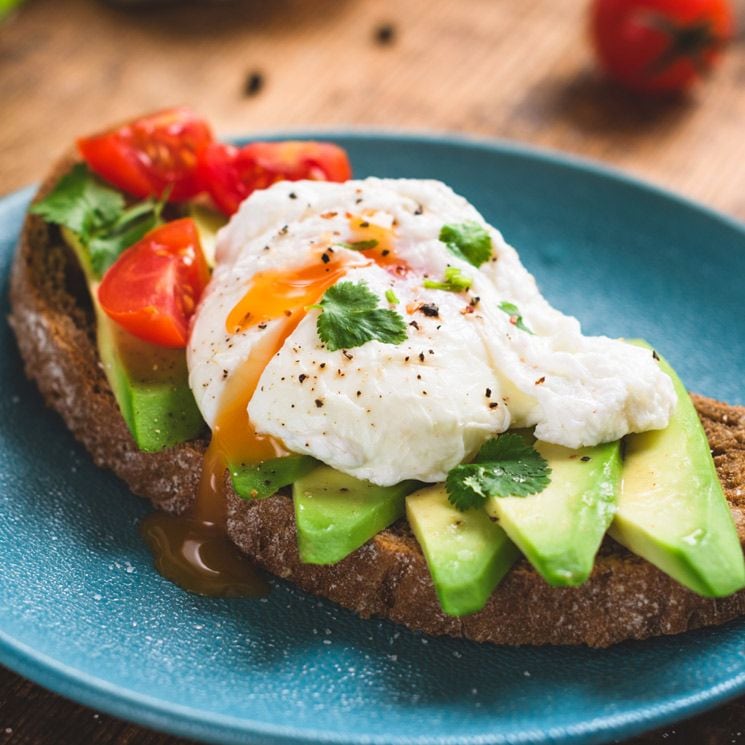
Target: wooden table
[{"x": 518, "y": 69}]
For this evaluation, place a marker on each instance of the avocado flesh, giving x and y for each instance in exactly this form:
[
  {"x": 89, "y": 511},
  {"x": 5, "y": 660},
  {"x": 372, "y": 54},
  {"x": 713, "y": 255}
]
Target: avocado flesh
[
  {"x": 336, "y": 514},
  {"x": 671, "y": 508},
  {"x": 150, "y": 382},
  {"x": 466, "y": 552},
  {"x": 262, "y": 480},
  {"x": 208, "y": 222},
  {"x": 560, "y": 529}
]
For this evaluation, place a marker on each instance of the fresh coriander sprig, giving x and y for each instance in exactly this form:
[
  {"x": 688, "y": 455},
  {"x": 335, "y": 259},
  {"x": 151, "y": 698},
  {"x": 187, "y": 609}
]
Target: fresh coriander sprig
[
  {"x": 468, "y": 241},
  {"x": 454, "y": 281},
  {"x": 505, "y": 466},
  {"x": 516, "y": 318},
  {"x": 350, "y": 317},
  {"x": 98, "y": 216}
]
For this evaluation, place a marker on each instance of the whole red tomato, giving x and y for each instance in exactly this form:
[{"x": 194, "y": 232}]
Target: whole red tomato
[{"x": 659, "y": 45}]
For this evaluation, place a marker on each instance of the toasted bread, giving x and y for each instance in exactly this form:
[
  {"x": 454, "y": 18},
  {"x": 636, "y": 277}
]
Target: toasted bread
[{"x": 625, "y": 598}]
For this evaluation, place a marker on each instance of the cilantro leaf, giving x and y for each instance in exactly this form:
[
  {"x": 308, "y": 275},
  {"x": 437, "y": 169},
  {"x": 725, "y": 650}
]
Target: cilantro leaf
[
  {"x": 454, "y": 281},
  {"x": 468, "y": 241},
  {"x": 350, "y": 318},
  {"x": 133, "y": 223},
  {"x": 98, "y": 216},
  {"x": 358, "y": 245},
  {"x": 515, "y": 318},
  {"x": 505, "y": 466},
  {"x": 81, "y": 203}
]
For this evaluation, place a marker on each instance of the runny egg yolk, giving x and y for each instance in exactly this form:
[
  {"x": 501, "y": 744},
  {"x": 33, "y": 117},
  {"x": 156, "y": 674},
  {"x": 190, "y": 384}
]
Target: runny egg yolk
[{"x": 283, "y": 295}]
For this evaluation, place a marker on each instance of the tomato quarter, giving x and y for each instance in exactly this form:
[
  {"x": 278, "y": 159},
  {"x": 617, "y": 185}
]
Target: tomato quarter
[
  {"x": 149, "y": 155},
  {"x": 153, "y": 287},
  {"x": 659, "y": 45},
  {"x": 230, "y": 173}
]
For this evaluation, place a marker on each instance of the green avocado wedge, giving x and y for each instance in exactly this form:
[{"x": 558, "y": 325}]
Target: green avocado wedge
[
  {"x": 150, "y": 382},
  {"x": 336, "y": 513},
  {"x": 265, "y": 479},
  {"x": 672, "y": 510},
  {"x": 466, "y": 552},
  {"x": 208, "y": 222},
  {"x": 560, "y": 529}
]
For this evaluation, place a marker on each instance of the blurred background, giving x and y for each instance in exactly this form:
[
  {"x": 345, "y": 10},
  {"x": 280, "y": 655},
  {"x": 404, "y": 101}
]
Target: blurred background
[{"x": 522, "y": 70}]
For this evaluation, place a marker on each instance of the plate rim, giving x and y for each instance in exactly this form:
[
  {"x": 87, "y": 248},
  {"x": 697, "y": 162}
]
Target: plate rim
[{"x": 171, "y": 717}]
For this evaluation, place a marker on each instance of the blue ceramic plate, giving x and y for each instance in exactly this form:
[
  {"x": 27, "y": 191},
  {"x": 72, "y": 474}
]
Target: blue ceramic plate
[{"x": 83, "y": 612}]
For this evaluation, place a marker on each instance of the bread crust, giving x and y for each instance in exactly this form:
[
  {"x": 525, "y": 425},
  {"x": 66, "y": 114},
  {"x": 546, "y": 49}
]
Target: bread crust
[{"x": 625, "y": 598}]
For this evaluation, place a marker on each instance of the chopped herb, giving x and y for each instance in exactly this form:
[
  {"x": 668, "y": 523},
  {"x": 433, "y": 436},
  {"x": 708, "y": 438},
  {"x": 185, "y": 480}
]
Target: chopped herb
[
  {"x": 468, "y": 241},
  {"x": 515, "y": 318},
  {"x": 390, "y": 296},
  {"x": 505, "y": 466},
  {"x": 454, "y": 281},
  {"x": 358, "y": 245},
  {"x": 98, "y": 216},
  {"x": 350, "y": 318}
]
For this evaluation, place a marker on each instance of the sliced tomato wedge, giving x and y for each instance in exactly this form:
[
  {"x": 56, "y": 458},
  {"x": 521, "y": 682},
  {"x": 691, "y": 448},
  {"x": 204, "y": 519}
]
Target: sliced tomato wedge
[
  {"x": 149, "y": 155},
  {"x": 230, "y": 173},
  {"x": 153, "y": 287}
]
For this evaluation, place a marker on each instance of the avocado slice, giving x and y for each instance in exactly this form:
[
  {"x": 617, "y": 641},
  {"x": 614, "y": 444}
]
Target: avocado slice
[
  {"x": 150, "y": 382},
  {"x": 672, "y": 510},
  {"x": 265, "y": 479},
  {"x": 466, "y": 552},
  {"x": 208, "y": 222},
  {"x": 560, "y": 529},
  {"x": 336, "y": 513}
]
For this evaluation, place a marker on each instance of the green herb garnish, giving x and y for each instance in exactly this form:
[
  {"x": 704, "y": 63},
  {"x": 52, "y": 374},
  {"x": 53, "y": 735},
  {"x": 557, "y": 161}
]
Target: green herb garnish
[
  {"x": 350, "y": 317},
  {"x": 505, "y": 466},
  {"x": 358, "y": 245},
  {"x": 454, "y": 281},
  {"x": 390, "y": 296},
  {"x": 468, "y": 241},
  {"x": 98, "y": 216},
  {"x": 516, "y": 318}
]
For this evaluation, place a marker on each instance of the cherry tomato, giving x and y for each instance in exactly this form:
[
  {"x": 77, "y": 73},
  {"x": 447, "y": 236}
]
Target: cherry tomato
[
  {"x": 149, "y": 155},
  {"x": 230, "y": 173},
  {"x": 659, "y": 45},
  {"x": 153, "y": 287}
]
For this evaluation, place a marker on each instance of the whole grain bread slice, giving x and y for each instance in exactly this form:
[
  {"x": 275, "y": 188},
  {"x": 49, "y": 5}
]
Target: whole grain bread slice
[{"x": 625, "y": 598}]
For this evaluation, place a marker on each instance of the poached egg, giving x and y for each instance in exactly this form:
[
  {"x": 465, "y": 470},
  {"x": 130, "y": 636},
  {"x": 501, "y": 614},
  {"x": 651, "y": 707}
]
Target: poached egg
[{"x": 473, "y": 364}]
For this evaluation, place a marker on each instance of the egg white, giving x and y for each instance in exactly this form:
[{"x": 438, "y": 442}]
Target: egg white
[{"x": 386, "y": 412}]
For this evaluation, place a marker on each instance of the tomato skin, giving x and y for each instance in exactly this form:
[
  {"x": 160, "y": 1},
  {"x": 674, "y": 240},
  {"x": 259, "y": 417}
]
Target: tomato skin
[
  {"x": 153, "y": 287},
  {"x": 230, "y": 173},
  {"x": 151, "y": 154},
  {"x": 659, "y": 45}
]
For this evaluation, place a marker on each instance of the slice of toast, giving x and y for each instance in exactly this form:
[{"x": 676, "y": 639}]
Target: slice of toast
[{"x": 625, "y": 598}]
